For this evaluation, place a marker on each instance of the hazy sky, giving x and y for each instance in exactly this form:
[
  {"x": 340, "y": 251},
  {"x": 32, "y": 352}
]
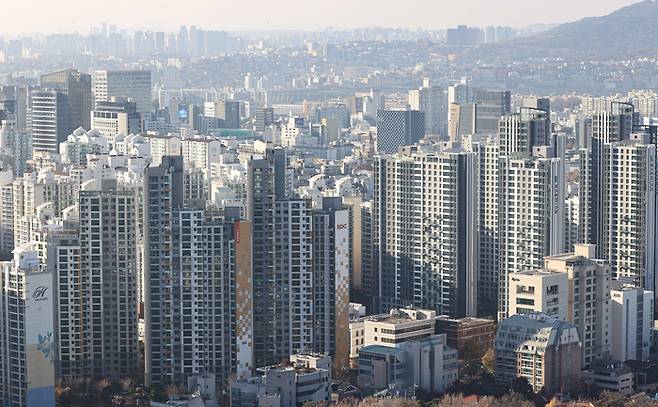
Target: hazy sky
[{"x": 22, "y": 16}]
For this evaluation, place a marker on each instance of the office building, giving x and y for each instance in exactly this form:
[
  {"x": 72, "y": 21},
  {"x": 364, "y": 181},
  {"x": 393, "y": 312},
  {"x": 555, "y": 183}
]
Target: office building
[
  {"x": 486, "y": 108},
  {"x": 427, "y": 364},
  {"x": 431, "y": 100},
  {"x": 464, "y": 334},
  {"x": 77, "y": 88},
  {"x": 424, "y": 231},
  {"x": 396, "y": 326},
  {"x": 134, "y": 86},
  {"x": 27, "y": 319},
  {"x": 115, "y": 117},
  {"x": 541, "y": 349},
  {"x": 399, "y": 128},
  {"x": 462, "y": 120},
  {"x": 532, "y": 204},
  {"x": 264, "y": 118},
  {"x": 49, "y": 119},
  {"x": 228, "y": 113}
]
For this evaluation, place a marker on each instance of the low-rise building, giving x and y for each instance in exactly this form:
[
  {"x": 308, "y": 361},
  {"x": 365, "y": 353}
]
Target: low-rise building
[
  {"x": 427, "y": 364},
  {"x": 306, "y": 379},
  {"x": 543, "y": 291},
  {"x": 463, "y": 333},
  {"x": 544, "y": 350},
  {"x": 400, "y": 325},
  {"x": 610, "y": 375}
]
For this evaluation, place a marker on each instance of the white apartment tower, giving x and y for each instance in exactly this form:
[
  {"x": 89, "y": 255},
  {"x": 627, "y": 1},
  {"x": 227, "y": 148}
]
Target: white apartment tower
[
  {"x": 628, "y": 220},
  {"x": 27, "y": 321},
  {"x": 532, "y": 205},
  {"x": 97, "y": 274},
  {"x": 424, "y": 231}
]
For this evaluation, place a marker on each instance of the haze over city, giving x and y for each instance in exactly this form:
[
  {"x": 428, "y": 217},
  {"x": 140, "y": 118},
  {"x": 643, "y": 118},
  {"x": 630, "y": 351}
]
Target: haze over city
[
  {"x": 307, "y": 203},
  {"x": 76, "y": 15}
]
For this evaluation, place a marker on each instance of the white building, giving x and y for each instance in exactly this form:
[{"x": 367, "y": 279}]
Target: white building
[
  {"x": 27, "y": 320},
  {"x": 631, "y": 317},
  {"x": 629, "y": 187},
  {"x": 116, "y": 117},
  {"x": 201, "y": 152},
  {"x": 390, "y": 329},
  {"x": 426, "y": 363},
  {"x": 532, "y": 206},
  {"x": 34, "y": 189},
  {"x": 539, "y": 291},
  {"x": 424, "y": 223},
  {"x": 96, "y": 267},
  {"x": 163, "y": 145},
  {"x": 80, "y": 143},
  {"x": 6, "y": 211},
  {"x": 306, "y": 379}
]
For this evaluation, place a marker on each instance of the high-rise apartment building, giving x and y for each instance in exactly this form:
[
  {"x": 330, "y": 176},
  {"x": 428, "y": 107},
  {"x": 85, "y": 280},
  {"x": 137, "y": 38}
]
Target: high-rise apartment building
[
  {"x": 522, "y": 131},
  {"x": 97, "y": 279},
  {"x": 487, "y": 152},
  {"x": 424, "y": 231},
  {"x": 197, "y": 284},
  {"x": 331, "y": 274},
  {"x": 628, "y": 220},
  {"x": 132, "y": 85},
  {"x": 300, "y": 266},
  {"x": 398, "y": 128},
  {"x": 531, "y": 202},
  {"x": 27, "y": 320},
  {"x": 608, "y": 125}
]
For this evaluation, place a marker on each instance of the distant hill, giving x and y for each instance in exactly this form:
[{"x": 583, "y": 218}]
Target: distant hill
[{"x": 631, "y": 30}]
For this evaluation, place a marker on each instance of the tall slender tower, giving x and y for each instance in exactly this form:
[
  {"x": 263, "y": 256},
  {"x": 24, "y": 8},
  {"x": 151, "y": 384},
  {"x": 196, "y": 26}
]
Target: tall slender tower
[
  {"x": 424, "y": 231},
  {"x": 531, "y": 214}
]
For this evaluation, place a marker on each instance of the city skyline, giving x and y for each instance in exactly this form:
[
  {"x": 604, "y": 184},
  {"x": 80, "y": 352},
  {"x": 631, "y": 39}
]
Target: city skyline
[{"x": 45, "y": 16}]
